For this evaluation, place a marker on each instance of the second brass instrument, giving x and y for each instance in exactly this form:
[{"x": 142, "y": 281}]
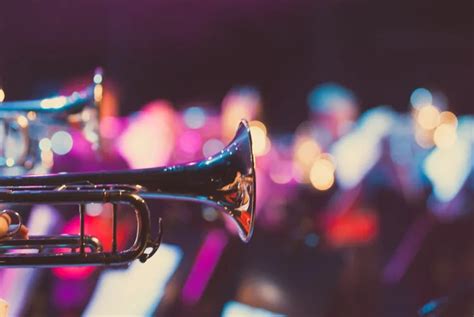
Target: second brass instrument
[{"x": 24, "y": 123}]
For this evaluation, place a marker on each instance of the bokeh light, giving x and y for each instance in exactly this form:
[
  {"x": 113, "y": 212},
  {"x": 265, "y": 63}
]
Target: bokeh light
[
  {"x": 260, "y": 142},
  {"x": 22, "y": 121},
  {"x": 190, "y": 141},
  {"x": 236, "y": 309},
  {"x": 194, "y": 117},
  {"x": 2, "y": 95},
  {"x": 31, "y": 115},
  {"x": 210, "y": 213},
  {"x": 120, "y": 292},
  {"x": 53, "y": 103},
  {"x": 98, "y": 92},
  {"x": 448, "y": 169},
  {"x": 212, "y": 146},
  {"x": 281, "y": 172},
  {"x": 311, "y": 240},
  {"x": 110, "y": 127},
  {"x": 144, "y": 143},
  {"x": 61, "y": 142},
  {"x": 445, "y": 136},
  {"x": 9, "y": 162},
  {"x": 47, "y": 159},
  {"x": 94, "y": 210},
  {"x": 322, "y": 173},
  {"x": 98, "y": 78},
  {"x": 306, "y": 151},
  {"x": 238, "y": 104},
  {"x": 421, "y": 96},
  {"x": 428, "y": 117},
  {"x": 329, "y": 97},
  {"x": 447, "y": 117},
  {"x": 424, "y": 138},
  {"x": 45, "y": 144}
]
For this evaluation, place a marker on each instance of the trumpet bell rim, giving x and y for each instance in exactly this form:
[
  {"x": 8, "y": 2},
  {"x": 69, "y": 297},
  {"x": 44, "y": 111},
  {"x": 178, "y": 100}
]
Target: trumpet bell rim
[
  {"x": 249, "y": 235},
  {"x": 246, "y": 218}
]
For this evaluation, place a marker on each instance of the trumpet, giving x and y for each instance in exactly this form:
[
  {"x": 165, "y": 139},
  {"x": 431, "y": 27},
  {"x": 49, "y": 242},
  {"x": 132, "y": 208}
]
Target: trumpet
[
  {"x": 21, "y": 121},
  {"x": 225, "y": 180}
]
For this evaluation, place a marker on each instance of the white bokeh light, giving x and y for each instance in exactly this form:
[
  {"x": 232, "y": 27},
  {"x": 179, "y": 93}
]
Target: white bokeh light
[{"x": 61, "y": 142}]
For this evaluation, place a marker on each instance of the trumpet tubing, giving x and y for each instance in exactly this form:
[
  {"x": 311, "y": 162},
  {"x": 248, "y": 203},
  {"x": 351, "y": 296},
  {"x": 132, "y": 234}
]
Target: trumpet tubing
[{"x": 226, "y": 179}]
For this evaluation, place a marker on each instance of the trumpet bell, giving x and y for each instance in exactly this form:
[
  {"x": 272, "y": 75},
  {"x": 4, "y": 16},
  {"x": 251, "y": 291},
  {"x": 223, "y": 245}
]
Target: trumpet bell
[
  {"x": 237, "y": 197},
  {"x": 226, "y": 179}
]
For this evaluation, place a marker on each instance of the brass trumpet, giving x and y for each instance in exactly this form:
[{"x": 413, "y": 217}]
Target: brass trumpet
[
  {"x": 23, "y": 121},
  {"x": 226, "y": 180}
]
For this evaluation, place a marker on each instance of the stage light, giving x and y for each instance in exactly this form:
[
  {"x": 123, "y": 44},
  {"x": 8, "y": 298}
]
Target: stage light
[
  {"x": 356, "y": 227},
  {"x": 235, "y": 112},
  {"x": 210, "y": 213},
  {"x": 236, "y": 309},
  {"x": 445, "y": 136},
  {"x": 240, "y": 103},
  {"x": 2, "y": 95},
  {"x": 45, "y": 144},
  {"x": 211, "y": 147},
  {"x": 424, "y": 138},
  {"x": 377, "y": 122},
  {"x": 330, "y": 97},
  {"x": 53, "y": 103},
  {"x": 138, "y": 290},
  {"x": 9, "y": 162},
  {"x": 90, "y": 134},
  {"x": 298, "y": 174},
  {"x": 281, "y": 172},
  {"x": 420, "y": 97},
  {"x": 355, "y": 153},
  {"x": 194, "y": 117},
  {"x": 306, "y": 151},
  {"x": 22, "y": 121},
  {"x": 448, "y": 169},
  {"x": 190, "y": 142},
  {"x": 261, "y": 143},
  {"x": 322, "y": 174},
  {"x": 428, "y": 117},
  {"x": 61, "y": 142},
  {"x": 110, "y": 127},
  {"x": 160, "y": 138},
  {"x": 31, "y": 115},
  {"x": 47, "y": 158},
  {"x": 311, "y": 240},
  {"x": 447, "y": 117},
  {"x": 94, "y": 210},
  {"x": 259, "y": 124},
  {"x": 98, "y": 78},
  {"x": 206, "y": 260},
  {"x": 98, "y": 92},
  {"x": 466, "y": 128}
]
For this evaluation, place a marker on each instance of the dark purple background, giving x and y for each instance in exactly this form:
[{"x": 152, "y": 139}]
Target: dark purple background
[{"x": 197, "y": 50}]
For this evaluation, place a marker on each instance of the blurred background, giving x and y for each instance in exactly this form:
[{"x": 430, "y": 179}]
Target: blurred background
[{"x": 362, "y": 118}]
